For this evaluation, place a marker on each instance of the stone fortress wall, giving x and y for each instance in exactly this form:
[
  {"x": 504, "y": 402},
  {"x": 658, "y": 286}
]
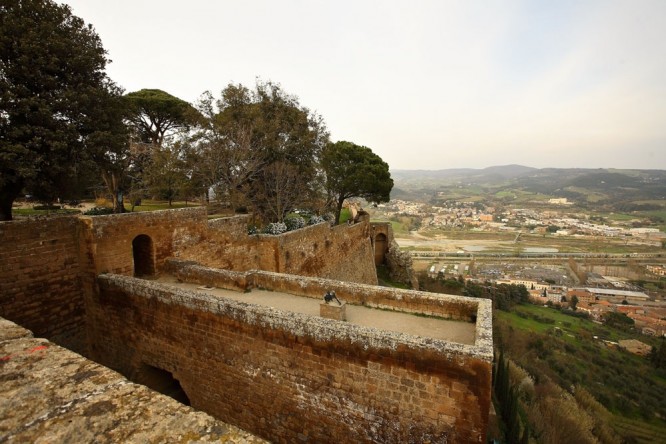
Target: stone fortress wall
[
  {"x": 41, "y": 266},
  {"x": 51, "y": 394},
  {"x": 319, "y": 250},
  {"x": 288, "y": 376},
  {"x": 276, "y": 374}
]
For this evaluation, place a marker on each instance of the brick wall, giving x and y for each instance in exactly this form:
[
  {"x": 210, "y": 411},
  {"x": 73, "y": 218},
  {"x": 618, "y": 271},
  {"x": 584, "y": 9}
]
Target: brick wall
[
  {"x": 343, "y": 252},
  {"x": 50, "y": 394},
  {"x": 40, "y": 278},
  {"x": 290, "y": 377},
  {"x": 110, "y": 237}
]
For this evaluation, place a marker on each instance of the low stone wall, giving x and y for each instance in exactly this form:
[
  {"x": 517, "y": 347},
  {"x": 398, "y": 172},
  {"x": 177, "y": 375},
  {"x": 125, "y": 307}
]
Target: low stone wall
[
  {"x": 50, "y": 394},
  {"x": 343, "y": 252},
  {"x": 445, "y": 306},
  {"x": 189, "y": 271},
  {"x": 40, "y": 278},
  {"x": 290, "y": 377}
]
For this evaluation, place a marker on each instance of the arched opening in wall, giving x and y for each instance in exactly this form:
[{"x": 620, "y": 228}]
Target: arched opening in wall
[
  {"x": 161, "y": 381},
  {"x": 380, "y": 248},
  {"x": 144, "y": 256}
]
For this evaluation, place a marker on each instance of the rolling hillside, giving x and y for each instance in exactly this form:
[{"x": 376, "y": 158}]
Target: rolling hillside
[{"x": 610, "y": 189}]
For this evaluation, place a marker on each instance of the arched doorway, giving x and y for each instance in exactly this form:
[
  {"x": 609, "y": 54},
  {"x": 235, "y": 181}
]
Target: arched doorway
[
  {"x": 380, "y": 248},
  {"x": 144, "y": 256}
]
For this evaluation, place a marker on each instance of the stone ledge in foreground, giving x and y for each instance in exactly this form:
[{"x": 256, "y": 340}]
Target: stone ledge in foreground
[{"x": 49, "y": 393}]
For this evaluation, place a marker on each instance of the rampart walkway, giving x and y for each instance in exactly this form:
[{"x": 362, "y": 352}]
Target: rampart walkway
[{"x": 431, "y": 327}]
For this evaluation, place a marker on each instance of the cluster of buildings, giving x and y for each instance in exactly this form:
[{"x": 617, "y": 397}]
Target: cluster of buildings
[
  {"x": 449, "y": 215},
  {"x": 649, "y": 316},
  {"x": 460, "y": 214}
]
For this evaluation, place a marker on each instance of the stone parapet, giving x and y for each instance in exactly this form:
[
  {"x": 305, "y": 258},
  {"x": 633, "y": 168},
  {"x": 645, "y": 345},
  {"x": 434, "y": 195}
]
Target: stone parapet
[
  {"x": 453, "y": 307},
  {"x": 285, "y": 375},
  {"x": 48, "y": 393}
]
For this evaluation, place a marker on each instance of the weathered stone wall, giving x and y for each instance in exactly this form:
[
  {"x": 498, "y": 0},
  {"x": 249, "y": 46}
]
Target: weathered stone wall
[
  {"x": 343, "y": 252},
  {"x": 49, "y": 264},
  {"x": 50, "y": 394},
  {"x": 290, "y": 377},
  {"x": 110, "y": 237},
  {"x": 400, "y": 265},
  {"x": 40, "y": 278},
  {"x": 444, "y": 306}
]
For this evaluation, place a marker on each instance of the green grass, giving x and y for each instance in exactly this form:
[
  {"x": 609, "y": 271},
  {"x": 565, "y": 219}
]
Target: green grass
[
  {"x": 25, "y": 212},
  {"x": 385, "y": 279},
  {"x": 645, "y": 432},
  {"x": 590, "y": 196},
  {"x": 505, "y": 195},
  {"x": 621, "y": 217},
  {"x": 579, "y": 327}
]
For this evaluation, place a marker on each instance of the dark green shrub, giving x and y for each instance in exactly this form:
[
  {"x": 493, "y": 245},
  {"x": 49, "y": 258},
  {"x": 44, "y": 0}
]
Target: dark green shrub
[{"x": 98, "y": 211}]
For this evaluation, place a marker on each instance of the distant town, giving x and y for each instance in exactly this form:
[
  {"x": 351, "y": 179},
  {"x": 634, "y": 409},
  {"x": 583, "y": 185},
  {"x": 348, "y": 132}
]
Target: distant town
[
  {"x": 594, "y": 289},
  {"x": 557, "y": 221}
]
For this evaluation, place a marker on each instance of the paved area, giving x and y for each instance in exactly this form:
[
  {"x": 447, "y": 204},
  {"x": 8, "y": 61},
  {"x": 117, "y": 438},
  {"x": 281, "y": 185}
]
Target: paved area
[{"x": 452, "y": 331}]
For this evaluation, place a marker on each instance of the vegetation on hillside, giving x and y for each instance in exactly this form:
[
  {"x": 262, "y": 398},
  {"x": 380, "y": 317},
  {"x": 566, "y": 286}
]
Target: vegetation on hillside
[{"x": 570, "y": 381}]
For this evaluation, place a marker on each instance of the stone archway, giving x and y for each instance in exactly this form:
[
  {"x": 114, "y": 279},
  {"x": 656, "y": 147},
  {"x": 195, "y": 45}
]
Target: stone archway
[
  {"x": 144, "y": 256},
  {"x": 380, "y": 248}
]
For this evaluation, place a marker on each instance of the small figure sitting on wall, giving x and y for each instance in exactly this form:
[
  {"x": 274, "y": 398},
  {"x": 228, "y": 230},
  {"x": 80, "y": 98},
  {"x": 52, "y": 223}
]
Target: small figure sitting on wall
[{"x": 330, "y": 295}]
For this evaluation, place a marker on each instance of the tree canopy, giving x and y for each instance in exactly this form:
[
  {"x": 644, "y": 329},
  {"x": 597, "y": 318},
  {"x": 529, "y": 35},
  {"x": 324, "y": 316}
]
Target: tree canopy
[
  {"x": 261, "y": 148},
  {"x": 154, "y": 114},
  {"x": 355, "y": 171},
  {"x": 52, "y": 86}
]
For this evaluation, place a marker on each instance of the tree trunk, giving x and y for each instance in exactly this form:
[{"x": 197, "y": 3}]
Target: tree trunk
[
  {"x": 6, "y": 203},
  {"x": 113, "y": 186},
  {"x": 8, "y": 195},
  {"x": 338, "y": 210},
  {"x": 118, "y": 202}
]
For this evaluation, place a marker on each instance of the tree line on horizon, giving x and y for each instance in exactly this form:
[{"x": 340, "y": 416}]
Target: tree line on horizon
[{"x": 67, "y": 129}]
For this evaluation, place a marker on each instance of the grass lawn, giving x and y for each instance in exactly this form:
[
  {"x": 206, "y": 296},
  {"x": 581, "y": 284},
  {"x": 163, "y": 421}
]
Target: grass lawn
[
  {"x": 345, "y": 215},
  {"x": 25, "y": 212},
  {"x": 542, "y": 319}
]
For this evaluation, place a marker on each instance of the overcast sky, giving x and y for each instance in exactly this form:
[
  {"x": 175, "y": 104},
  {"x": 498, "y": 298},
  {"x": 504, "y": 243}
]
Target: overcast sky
[{"x": 424, "y": 84}]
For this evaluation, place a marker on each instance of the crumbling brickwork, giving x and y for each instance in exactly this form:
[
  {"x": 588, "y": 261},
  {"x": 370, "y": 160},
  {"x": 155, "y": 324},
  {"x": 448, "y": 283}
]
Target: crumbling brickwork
[
  {"x": 387, "y": 252},
  {"x": 110, "y": 237},
  {"x": 290, "y": 377}
]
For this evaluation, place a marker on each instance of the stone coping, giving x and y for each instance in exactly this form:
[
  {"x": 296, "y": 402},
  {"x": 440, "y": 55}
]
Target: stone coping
[
  {"x": 196, "y": 210},
  {"x": 431, "y": 304},
  {"x": 317, "y": 328}
]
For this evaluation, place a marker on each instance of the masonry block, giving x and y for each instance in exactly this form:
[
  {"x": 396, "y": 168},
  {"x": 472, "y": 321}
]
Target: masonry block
[{"x": 333, "y": 310}]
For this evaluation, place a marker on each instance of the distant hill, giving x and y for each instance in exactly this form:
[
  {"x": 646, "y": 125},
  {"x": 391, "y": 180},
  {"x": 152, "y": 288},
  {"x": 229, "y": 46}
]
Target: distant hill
[
  {"x": 613, "y": 188},
  {"x": 506, "y": 171}
]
